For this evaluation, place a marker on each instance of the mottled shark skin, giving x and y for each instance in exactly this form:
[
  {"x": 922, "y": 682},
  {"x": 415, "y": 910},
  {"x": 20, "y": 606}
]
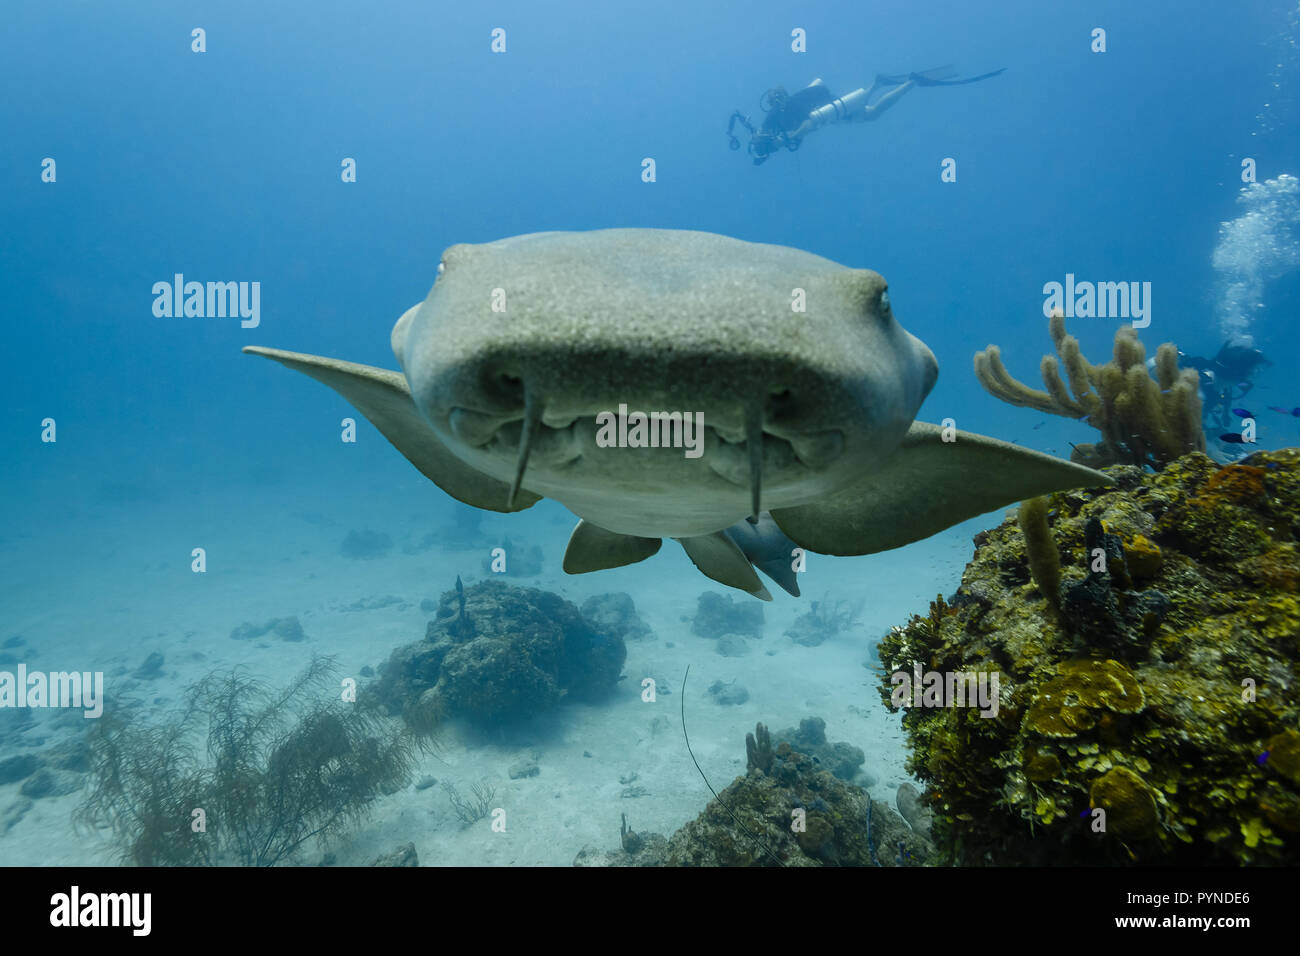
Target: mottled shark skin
[{"x": 809, "y": 413}]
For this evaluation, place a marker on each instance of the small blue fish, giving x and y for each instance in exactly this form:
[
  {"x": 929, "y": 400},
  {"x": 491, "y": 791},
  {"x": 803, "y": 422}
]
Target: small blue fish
[
  {"x": 1262, "y": 758},
  {"x": 1285, "y": 411},
  {"x": 1038, "y": 426},
  {"x": 1242, "y": 413},
  {"x": 1232, "y": 438}
]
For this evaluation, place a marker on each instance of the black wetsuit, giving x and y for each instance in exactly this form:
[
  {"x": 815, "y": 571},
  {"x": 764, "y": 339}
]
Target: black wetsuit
[{"x": 789, "y": 115}]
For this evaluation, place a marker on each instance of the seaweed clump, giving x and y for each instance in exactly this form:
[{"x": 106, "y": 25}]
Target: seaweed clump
[
  {"x": 1143, "y": 421},
  {"x": 282, "y": 768},
  {"x": 1164, "y": 693},
  {"x": 823, "y": 619},
  {"x": 476, "y": 806}
]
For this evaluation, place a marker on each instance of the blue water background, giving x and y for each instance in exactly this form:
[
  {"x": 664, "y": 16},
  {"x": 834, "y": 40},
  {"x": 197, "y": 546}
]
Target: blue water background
[{"x": 225, "y": 166}]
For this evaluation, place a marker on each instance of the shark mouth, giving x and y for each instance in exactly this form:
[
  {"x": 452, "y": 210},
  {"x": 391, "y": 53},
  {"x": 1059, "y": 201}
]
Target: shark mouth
[{"x": 739, "y": 457}]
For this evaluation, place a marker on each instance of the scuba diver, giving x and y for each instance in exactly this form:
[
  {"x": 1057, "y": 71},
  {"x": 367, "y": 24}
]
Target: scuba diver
[
  {"x": 1225, "y": 380},
  {"x": 792, "y": 117}
]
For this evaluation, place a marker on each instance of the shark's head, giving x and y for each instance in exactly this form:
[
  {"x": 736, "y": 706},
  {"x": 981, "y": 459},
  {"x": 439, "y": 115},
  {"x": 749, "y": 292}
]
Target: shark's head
[{"x": 802, "y": 374}]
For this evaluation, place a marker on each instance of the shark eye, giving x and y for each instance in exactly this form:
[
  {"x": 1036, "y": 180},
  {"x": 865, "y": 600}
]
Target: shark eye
[
  {"x": 442, "y": 267},
  {"x": 884, "y": 300}
]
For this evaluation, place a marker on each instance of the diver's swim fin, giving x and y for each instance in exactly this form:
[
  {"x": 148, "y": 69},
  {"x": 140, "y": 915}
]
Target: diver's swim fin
[
  {"x": 932, "y": 77},
  {"x": 939, "y": 76},
  {"x": 924, "y": 76}
]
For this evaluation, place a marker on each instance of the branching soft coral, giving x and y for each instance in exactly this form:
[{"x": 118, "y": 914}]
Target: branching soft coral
[
  {"x": 1143, "y": 421},
  {"x": 284, "y": 767}
]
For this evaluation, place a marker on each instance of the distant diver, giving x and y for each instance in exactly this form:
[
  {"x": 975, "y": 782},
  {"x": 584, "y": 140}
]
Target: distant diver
[
  {"x": 1225, "y": 380},
  {"x": 792, "y": 117}
]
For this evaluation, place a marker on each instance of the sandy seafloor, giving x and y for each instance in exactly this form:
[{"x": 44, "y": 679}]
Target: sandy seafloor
[{"x": 99, "y": 587}]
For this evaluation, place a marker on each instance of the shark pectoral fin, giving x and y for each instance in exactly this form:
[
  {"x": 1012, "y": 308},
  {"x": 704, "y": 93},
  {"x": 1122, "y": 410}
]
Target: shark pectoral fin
[
  {"x": 718, "y": 557},
  {"x": 925, "y": 486},
  {"x": 592, "y": 548},
  {"x": 384, "y": 398}
]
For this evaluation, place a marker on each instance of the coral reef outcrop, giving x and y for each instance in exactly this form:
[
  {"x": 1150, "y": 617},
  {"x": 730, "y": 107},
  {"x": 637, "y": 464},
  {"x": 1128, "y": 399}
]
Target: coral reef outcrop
[
  {"x": 494, "y": 653},
  {"x": 842, "y": 759},
  {"x": 913, "y": 809},
  {"x": 615, "y": 614},
  {"x": 785, "y": 811},
  {"x": 719, "y": 614},
  {"x": 1153, "y": 719}
]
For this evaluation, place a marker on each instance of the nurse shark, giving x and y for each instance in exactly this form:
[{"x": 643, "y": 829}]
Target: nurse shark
[{"x": 805, "y": 387}]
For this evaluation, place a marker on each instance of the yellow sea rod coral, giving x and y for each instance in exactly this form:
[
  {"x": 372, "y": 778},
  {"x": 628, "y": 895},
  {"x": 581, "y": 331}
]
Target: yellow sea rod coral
[
  {"x": 1143, "y": 421},
  {"x": 1044, "y": 561}
]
